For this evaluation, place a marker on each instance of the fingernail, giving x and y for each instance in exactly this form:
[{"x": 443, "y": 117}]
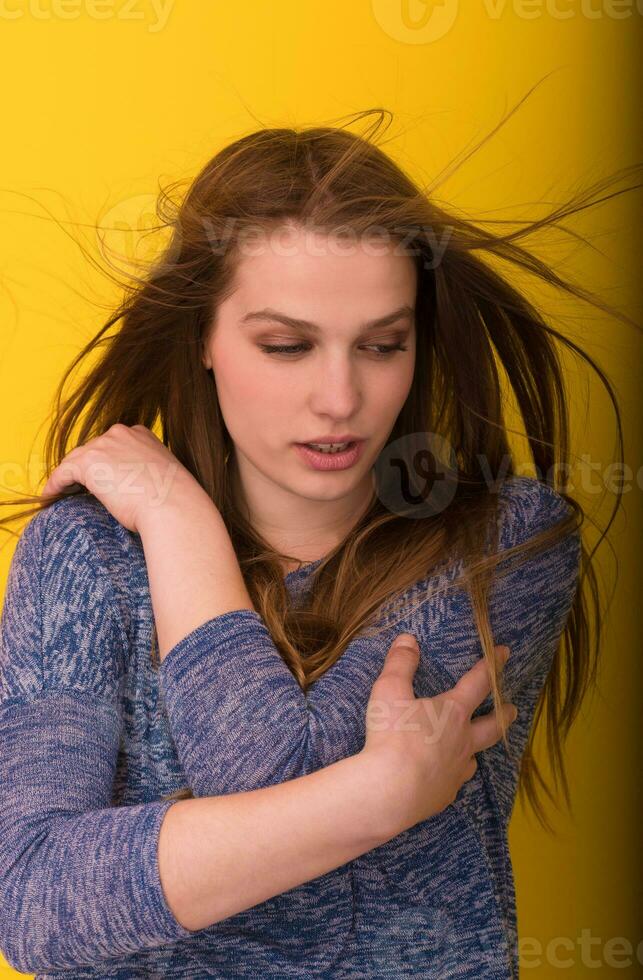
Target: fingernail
[{"x": 405, "y": 640}]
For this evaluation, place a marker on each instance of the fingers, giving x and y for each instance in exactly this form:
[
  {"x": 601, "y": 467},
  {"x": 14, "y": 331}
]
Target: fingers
[
  {"x": 474, "y": 686},
  {"x": 486, "y": 729},
  {"x": 401, "y": 661},
  {"x": 67, "y": 475}
]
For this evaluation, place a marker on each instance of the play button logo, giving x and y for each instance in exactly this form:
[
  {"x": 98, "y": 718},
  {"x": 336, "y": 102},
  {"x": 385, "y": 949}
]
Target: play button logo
[{"x": 415, "y": 21}]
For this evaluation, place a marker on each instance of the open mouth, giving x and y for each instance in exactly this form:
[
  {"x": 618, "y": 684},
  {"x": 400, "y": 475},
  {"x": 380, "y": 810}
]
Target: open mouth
[
  {"x": 329, "y": 449},
  {"x": 338, "y": 456}
]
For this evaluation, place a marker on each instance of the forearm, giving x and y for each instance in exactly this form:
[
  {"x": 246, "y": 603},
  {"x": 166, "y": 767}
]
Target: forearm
[
  {"x": 192, "y": 568},
  {"x": 221, "y": 855}
]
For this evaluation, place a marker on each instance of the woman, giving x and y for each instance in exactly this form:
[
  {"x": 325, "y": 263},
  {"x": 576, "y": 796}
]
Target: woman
[{"x": 273, "y": 789}]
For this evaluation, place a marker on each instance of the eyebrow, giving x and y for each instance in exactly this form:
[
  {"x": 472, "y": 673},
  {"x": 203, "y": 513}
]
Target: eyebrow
[{"x": 314, "y": 328}]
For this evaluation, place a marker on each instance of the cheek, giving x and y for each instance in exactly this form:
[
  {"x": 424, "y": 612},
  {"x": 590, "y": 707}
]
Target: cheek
[
  {"x": 389, "y": 396},
  {"x": 245, "y": 393},
  {"x": 229, "y": 380}
]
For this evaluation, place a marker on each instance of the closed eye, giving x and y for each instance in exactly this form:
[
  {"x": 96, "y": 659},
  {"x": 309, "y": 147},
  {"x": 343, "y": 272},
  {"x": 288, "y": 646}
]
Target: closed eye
[{"x": 381, "y": 350}]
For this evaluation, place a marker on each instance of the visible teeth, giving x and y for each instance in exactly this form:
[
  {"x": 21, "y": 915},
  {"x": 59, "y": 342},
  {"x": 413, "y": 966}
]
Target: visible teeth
[{"x": 329, "y": 447}]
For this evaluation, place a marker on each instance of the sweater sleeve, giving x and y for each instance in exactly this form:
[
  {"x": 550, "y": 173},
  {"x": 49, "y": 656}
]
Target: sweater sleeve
[
  {"x": 79, "y": 878},
  {"x": 239, "y": 719},
  {"x": 530, "y": 604}
]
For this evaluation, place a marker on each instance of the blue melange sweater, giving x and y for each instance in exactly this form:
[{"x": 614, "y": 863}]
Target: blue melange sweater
[{"x": 92, "y": 735}]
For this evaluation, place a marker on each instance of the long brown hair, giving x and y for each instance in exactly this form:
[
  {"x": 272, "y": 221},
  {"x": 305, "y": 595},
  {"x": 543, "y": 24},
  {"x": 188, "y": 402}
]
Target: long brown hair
[{"x": 469, "y": 320}]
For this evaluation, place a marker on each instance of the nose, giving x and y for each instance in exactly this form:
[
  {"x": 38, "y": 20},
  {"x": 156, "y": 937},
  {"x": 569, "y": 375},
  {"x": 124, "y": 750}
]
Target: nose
[{"x": 337, "y": 391}]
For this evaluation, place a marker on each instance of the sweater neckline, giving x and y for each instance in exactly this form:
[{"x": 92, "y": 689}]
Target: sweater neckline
[{"x": 304, "y": 569}]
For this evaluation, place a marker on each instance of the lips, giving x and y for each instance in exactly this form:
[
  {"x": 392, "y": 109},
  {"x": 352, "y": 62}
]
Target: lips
[{"x": 330, "y": 461}]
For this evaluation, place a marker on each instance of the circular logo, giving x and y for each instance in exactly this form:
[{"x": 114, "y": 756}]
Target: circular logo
[
  {"x": 415, "y": 21},
  {"x": 416, "y": 475}
]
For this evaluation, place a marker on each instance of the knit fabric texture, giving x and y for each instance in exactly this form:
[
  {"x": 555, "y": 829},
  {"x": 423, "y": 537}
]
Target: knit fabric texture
[{"x": 92, "y": 735}]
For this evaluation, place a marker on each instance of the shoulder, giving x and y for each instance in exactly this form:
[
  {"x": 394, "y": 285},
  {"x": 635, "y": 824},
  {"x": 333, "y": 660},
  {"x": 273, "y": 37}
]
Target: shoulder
[
  {"x": 528, "y": 506},
  {"x": 65, "y": 618},
  {"x": 537, "y": 587},
  {"x": 78, "y": 517},
  {"x": 73, "y": 534},
  {"x": 73, "y": 551}
]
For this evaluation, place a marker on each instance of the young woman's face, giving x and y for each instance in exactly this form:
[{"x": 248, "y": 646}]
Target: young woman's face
[{"x": 337, "y": 381}]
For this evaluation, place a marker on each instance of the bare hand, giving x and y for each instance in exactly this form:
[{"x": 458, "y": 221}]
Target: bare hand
[
  {"x": 128, "y": 469},
  {"x": 427, "y": 746}
]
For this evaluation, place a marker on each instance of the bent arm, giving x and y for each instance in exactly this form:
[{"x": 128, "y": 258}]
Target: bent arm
[
  {"x": 83, "y": 881},
  {"x": 239, "y": 718},
  {"x": 80, "y": 880}
]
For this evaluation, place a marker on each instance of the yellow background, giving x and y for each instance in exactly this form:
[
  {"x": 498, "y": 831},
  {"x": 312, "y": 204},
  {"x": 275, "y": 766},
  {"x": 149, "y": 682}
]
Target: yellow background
[{"x": 101, "y": 102}]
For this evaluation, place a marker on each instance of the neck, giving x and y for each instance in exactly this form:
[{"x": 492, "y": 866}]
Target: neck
[{"x": 303, "y": 529}]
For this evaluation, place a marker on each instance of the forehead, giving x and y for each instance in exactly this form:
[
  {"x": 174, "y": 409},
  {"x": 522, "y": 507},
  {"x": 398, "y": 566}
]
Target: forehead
[{"x": 314, "y": 268}]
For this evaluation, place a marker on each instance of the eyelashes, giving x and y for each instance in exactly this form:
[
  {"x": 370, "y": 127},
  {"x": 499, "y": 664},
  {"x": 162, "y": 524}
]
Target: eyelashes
[{"x": 385, "y": 350}]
